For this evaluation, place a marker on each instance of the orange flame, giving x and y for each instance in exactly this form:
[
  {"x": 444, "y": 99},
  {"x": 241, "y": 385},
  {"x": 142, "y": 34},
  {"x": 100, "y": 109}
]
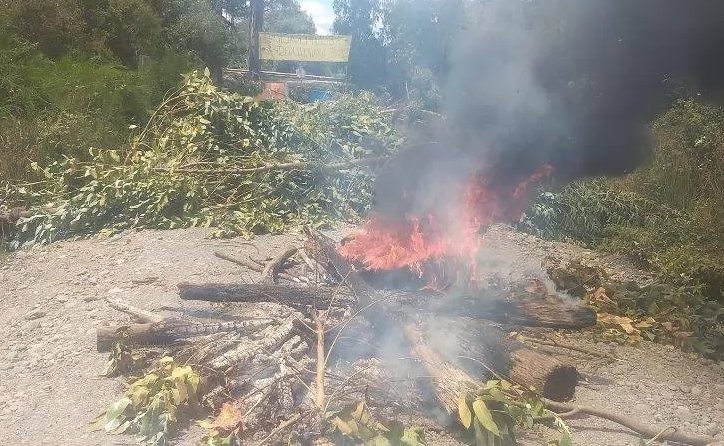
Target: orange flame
[{"x": 415, "y": 241}]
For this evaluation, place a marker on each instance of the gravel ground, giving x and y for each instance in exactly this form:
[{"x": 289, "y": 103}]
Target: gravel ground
[{"x": 52, "y": 301}]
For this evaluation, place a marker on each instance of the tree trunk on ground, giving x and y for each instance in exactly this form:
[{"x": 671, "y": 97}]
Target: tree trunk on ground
[
  {"x": 169, "y": 331},
  {"x": 479, "y": 345},
  {"x": 544, "y": 312}
]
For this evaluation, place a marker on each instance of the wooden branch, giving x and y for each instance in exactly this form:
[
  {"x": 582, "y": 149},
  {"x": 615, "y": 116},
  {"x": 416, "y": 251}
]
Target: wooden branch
[
  {"x": 671, "y": 434},
  {"x": 320, "y": 318},
  {"x": 138, "y": 315},
  {"x": 252, "y": 265},
  {"x": 324, "y": 250},
  {"x": 168, "y": 331},
  {"x": 303, "y": 165},
  {"x": 301, "y": 298},
  {"x": 269, "y": 274},
  {"x": 575, "y": 348}
]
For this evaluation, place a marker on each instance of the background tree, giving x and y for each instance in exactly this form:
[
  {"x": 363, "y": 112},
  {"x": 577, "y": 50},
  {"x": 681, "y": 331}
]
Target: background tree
[{"x": 363, "y": 19}]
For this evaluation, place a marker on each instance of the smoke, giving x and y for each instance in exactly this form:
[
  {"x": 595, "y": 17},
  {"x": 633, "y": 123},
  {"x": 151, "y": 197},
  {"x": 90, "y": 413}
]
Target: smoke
[{"x": 571, "y": 83}]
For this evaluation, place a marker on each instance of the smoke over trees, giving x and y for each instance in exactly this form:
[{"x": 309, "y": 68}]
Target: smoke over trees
[{"x": 569, "y": 83}]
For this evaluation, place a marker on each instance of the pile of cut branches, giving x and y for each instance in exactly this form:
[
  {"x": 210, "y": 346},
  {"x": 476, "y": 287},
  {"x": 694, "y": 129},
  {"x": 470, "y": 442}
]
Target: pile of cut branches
[
  {"x": 215, "y": 159},
  {"x": 328, "y": 356}
]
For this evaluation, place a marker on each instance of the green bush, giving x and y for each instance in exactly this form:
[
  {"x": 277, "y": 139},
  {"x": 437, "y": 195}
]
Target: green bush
[
  {"x": 54, "y": 108},
  {"x": 586, "y": 210},
  {"x": 667, "y": 216}
]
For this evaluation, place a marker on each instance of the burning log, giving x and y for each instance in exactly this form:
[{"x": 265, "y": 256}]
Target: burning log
[
  {"x": 481, "y": 340},
  {"x": 530, "y": 312}
]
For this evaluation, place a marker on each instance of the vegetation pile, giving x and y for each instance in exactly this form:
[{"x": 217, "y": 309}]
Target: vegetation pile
[{"x": 215, "y": 159}]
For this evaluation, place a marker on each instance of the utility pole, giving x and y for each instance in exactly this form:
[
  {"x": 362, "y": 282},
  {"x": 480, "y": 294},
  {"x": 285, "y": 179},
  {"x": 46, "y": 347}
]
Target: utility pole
[{"x": 256, "y": 23}]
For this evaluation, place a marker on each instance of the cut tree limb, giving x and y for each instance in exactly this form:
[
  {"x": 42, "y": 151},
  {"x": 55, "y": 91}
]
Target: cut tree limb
[
  {"x": 304, "y": 165},
  {"x": 301, "y": 298},
  {"x": 168, "y": 331},
  {"x": 671, "y": 434},
  {"x": 480, "y": 348},
  {"x": 269, "y": 274},
  {"x": 138, "y": 314},
  {"x": 252, "y": 265}
]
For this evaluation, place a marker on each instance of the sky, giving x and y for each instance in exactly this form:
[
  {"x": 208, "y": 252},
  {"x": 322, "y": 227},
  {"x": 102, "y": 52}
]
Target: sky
[{"x": 321, "y": 12}]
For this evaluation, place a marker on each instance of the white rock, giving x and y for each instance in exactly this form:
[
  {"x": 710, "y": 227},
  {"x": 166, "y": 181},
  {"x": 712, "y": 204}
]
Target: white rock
[
  {"x": 115, "y": 290},
  {"x": 696, "y": 391},
  {"x": 34, "y": 314}
]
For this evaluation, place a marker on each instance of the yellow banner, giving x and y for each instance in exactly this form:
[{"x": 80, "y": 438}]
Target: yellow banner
[{"x": 304, "y": 47}]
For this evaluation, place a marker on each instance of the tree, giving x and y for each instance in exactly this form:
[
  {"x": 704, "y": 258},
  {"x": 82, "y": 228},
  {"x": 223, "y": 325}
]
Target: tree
[
  {"x": 362, "y": 19},
  {"x": 419, "y": 35},
  {"x": 286, "y": 16}
]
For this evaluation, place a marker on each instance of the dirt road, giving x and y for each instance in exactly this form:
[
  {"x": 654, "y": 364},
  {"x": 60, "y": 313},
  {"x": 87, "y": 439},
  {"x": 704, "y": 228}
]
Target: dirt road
[{"x": 52, "y": 299}]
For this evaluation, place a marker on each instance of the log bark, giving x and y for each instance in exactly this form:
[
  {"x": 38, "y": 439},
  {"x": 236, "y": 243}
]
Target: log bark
[
  {"x": 524, "y": 311},
  {"x": 300, "y": 298},
  {"x": 139, "y": 334},
  {"x": 458, "y": 353},
  {"x": 482, "y": 347},
  {"x": 168, "y": 332}
]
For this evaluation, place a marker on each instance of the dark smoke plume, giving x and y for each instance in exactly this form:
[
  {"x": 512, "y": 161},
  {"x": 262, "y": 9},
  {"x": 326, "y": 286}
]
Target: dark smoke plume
[{"x": 572, "y": 83}]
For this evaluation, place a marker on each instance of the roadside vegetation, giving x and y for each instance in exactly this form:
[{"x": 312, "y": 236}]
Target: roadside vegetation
[{"x": 666, "y": 217}]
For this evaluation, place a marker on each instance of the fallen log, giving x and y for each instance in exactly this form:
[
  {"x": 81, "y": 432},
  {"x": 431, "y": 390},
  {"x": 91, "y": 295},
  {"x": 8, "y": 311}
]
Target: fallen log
[
  {"x": 521, "y": 311},
  {"x": 482, "y": 347},
  {"x": 300, "y": 298},
  {"x": 167, "y": 332}
]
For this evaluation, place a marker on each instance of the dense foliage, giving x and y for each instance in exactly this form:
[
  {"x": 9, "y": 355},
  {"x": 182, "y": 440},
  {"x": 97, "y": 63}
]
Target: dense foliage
[
  {"x": 666, "y": 216},
  {"x": 185, "y": 168}
]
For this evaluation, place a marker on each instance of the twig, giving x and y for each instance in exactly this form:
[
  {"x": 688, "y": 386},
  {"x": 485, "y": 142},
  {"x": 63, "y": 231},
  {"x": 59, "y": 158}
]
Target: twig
[
  {"x": 554, "y": 343},
  {"x": 635, "y": 425},
  {"x": 270, "y": 271},
  {"x": 139, "y": 315},
  {"x": 280, "y": 428},
  {"x": 250, "y": 264},
  {"x": 320, "y": 318}
]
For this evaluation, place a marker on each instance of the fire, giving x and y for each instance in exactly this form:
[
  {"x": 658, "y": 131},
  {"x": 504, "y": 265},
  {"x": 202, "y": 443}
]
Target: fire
[{"x": 418, "y": 241}]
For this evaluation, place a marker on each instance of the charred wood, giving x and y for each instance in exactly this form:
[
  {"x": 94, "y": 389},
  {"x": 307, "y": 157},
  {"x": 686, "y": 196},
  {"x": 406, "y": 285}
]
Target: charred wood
[{"x": 545, "y": 312}]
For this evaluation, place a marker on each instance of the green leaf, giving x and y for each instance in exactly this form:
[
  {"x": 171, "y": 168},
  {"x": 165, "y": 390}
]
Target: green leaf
[
  {"x": 466, "y": 418},
  {"x": 484, "y": 417},
  {"x": 565, "y": 440},
  {"x": 115, "y": 414}
]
